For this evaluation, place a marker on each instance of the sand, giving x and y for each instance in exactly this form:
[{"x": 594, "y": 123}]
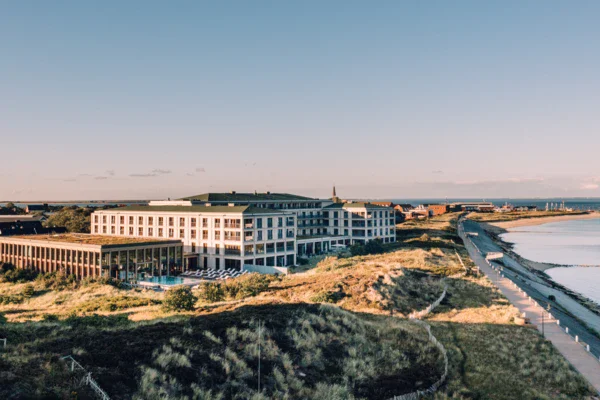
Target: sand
[{"x": 542, "y": 220}]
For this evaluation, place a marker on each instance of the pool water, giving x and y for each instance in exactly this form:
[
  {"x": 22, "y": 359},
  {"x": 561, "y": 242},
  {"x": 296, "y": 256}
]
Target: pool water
[{"x": 165, "y": 280}]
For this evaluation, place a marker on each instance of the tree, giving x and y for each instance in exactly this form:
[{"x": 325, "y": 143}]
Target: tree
[
  {"x": 11, "y": 209},
  {"x": 179, "y": 298},
  {"x": 75, "y": 219}
]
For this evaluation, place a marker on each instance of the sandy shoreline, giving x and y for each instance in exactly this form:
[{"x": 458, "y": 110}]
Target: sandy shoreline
[{"x": 505, "y": 225}]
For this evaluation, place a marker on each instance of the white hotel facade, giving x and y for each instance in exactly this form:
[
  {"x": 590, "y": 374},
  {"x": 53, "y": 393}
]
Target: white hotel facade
[{"x": 229, "y": 230}]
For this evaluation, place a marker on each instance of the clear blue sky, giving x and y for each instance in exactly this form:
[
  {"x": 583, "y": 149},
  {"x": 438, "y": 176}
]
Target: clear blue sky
[{"x": 150, "y": 99}]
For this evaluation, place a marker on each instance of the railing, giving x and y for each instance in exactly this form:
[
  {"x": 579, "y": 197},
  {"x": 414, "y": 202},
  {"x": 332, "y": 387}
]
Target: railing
[
  {"x": 87, "y": 379},
  {"x": 249, "y": 226}
]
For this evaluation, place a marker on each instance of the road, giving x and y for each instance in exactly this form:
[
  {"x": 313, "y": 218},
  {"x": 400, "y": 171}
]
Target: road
[{"x": 514, "y": 273}]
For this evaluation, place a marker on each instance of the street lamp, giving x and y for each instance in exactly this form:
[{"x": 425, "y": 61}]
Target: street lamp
[{"x": 548, "y": 308}]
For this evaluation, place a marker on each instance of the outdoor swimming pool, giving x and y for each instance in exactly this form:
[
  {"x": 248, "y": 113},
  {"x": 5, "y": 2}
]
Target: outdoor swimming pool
[{"x": 165, "y": 280}]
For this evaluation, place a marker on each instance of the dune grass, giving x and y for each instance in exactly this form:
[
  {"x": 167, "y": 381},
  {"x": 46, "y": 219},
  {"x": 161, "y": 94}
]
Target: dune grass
[{"x": 364, "y": 349}]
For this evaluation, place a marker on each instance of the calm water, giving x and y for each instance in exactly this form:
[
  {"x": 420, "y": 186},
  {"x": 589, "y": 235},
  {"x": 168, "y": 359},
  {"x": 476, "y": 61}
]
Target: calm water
[
  {"x": 585, "y": 280},
  {"x": 566, "y": 243}
]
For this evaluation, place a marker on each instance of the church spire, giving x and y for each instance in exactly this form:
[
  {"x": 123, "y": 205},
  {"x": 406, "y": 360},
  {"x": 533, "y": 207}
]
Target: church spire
[{"x": 334, "y": 195}]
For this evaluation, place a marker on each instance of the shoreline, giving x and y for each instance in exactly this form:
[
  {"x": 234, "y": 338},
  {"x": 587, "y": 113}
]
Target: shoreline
[
  {"x": 504, "y": 226},
  {"x": 539, "y": 268}
]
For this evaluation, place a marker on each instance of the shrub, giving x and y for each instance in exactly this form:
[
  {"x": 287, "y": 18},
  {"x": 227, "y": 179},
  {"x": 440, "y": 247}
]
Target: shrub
[
  {"x": 302, "y": 261},
  {"x": 57, "y": 281},
  {"x": 247, "y": 285},
  {"x": 3, "y": 319},
  {"x": 28, "y": 291},
  {"x": 179, "y": 298},
  {"x": 371, "y": 247},
  {"x": 211, "y": 292},
  {"x": 49, "y": 318},
  {"x": 16, "y": 275}
]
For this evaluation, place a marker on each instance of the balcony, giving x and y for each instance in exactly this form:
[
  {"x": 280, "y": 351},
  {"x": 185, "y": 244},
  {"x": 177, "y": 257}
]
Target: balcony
[
  {"x": 249, "y": 226},
  {"x": 249, "y": 238},
  {"x": 232, "y": 226},
  {"x": 232, "y": 252}
]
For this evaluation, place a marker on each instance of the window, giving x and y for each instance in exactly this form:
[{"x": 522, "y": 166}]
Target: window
[
  {"x": 150, "y": 231},
  {"x": 270, "y": 248},
  {"x": 193, "y": 222},
  {"x": 280, "y": 234},
  {"x": 181, "y": 221},
  {"x": 95, "y": 218},
  {"x": 112, "y": 219},
  {"x": 217, "y": 249},
  {"x": 95, "y": 228},
  {"x": 104, "y": 229},
  {"x": 140, "y": 231},
  {"x": 248, "y": 249},
  {"x": 171, "y": 221},
  {"x": 193, "y": 247},
  {"x": 259, "y": 223},
  {"x": 260, "y": 249},
  {"x": 205, "y": 234},
  {"x": 130, "y": 220},
  {"x": 140, "y": 220},
  {"x": 232, "y": 223},
  {"x": 269, "y": 234},
  {"x": 217, "y": 235},
  {"x": 204, "y": 222},
  {"x": 269, "y": 222},
  {"x": 171, "y": 232},
  {"x": 160, "y": 220},
  {"x": 217, "y": 222},
  {"x": 160, "y": 232},
  {"x": 193, "y": 234},
  {"x": 204, "y": 248},
  {"x": 259, "y": 235},
  {"x": 182, "y": 233},
  {"x": 122, "y": 219},
  {"x": 104, "y": 219},
  {"x": 150, "y": 220},
  {"x": 280, "y": 221},
  {"x": 232, "y": 235},
  {"x": 232, "y": 250},
  {"x": 289, "y": 246},
  {"x": 280, "y": 247},
  {"x": 112, "y": 230},
  {"x": 131, "y": 231}
]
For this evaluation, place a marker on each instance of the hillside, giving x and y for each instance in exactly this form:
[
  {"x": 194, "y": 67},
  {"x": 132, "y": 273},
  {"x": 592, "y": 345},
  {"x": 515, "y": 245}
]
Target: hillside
[{"x": 358, "y": 344}]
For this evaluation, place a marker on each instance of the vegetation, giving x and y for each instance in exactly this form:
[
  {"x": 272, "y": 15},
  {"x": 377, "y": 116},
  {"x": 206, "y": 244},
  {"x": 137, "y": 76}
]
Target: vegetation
[
  {"x": 371, "y": 247},
  {"x": 357, "y": 345},
  {"x": 75, "y": 219},
  {"x": 11, "y": 209},
  {"x": 179, "y": 298}
]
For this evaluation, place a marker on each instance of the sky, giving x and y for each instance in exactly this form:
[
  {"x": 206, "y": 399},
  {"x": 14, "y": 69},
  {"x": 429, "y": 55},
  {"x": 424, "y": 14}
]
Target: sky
[{"x": 386, "y": 99}]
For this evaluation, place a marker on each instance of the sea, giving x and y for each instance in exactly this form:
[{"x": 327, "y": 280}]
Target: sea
[{"x": 575, "y": 243}]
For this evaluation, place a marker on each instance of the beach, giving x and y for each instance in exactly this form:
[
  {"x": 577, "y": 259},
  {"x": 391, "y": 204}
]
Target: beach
[{"x": 501, "y": 227}]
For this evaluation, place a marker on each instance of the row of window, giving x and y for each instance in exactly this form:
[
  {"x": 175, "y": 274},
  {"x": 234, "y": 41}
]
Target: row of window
[
  {"x": 170, "y": 233},
  {"x": 232, "y": 223}
]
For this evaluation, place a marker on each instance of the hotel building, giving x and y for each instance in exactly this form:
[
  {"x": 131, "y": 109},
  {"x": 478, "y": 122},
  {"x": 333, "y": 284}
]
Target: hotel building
[
  {"x": 229, "y": 230},
  {"x": 86, "y": 255}
]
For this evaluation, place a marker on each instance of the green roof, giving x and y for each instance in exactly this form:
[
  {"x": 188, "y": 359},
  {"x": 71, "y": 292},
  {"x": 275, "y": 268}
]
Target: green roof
[
  {"x": 196, "y": 209},
  {"x": 246, "y": 197}
]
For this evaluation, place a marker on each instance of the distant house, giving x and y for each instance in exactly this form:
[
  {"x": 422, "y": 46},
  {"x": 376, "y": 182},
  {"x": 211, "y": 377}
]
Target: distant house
[
  {"x": 31, "y": 208},
  {"x": 24, "y": 225},
  {"x": 478, "y": 206},
  {"x": 436, "y": 209}
]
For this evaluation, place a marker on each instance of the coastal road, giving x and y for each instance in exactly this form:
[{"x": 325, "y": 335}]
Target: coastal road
[
  {"x": 528, "y": 281},
  {"x": 585, "y": 362}
]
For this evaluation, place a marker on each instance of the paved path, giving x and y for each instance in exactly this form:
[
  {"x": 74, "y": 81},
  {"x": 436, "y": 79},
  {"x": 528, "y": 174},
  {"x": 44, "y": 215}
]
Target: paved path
[{"x": 573, "y": 351}]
